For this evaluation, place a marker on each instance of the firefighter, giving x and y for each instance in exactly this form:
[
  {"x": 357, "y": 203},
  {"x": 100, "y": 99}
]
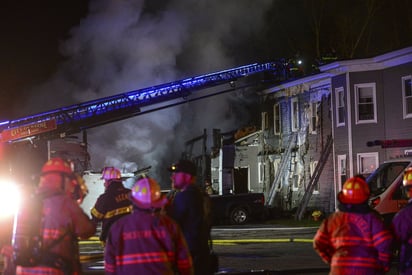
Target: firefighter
[
  {"x": 63, "y": 222},
  {"x": 188, "y": 209},
  {"x": 402, "y": 227},
  {"x": 113, "y": 204},
  {"x": 147, "y": 241},
  {"x": 354, "y": 239}
]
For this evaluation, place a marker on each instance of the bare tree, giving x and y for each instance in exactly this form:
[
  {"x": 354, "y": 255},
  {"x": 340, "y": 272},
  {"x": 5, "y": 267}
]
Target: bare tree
[{"x": 317, "y": 10}]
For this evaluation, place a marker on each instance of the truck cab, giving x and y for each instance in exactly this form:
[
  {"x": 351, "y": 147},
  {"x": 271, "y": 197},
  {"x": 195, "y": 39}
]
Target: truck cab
[{"x": 387, "y": 195}]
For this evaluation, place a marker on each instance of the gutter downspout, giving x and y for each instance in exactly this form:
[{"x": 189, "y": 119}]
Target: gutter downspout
[{"x": 349, "y": 116}]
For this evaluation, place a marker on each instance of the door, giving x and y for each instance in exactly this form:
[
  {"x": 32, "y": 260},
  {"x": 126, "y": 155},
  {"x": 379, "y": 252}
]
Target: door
[{"x": 241, "y": 179}]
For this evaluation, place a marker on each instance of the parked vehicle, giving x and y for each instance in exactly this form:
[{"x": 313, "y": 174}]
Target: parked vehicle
[
  {"x": 237, "y": 208},
  {"x": 387, "y": 194}
]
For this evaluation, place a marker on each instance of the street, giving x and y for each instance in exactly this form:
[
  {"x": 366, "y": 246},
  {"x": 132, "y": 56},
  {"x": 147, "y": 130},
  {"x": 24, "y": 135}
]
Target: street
[
  {"x": 268, "y": 250},
  {"x": 253, "y": 249}
]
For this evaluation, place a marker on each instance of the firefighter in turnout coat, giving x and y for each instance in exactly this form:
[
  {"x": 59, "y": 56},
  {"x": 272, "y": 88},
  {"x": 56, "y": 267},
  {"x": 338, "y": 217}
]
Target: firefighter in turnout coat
[
  {"x": 402, "y": 227},
  {"x": 354, "y": 239},
  {"x": 148, "y": 241},
  {"x": 113, "y": 204},
  {"x": 63, "y": 222}
]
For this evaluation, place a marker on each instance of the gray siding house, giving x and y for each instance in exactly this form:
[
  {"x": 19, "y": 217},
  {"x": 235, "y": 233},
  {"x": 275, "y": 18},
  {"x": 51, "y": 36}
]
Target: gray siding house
[{"x": 315, "y": 130}]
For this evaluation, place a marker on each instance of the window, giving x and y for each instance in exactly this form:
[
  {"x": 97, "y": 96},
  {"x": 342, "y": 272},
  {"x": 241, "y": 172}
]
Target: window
[
  {"x": 294, "y": 114},
  {"x": 274, "y": 174},
  {"x": 367, "y": 163},
  {"x": 407, "y": 96},
  {"x": 313, "y": 122},
  {"x": 261, "y": 172},
  {"x": 276, "y": 164},
  {"x": 340, "y": 107},
  {"x": 365, "y": 100},
  {"x": 341, "y": 170},
  {"x": 312, "y": 167},
  {"x": 265, "y": 122},
  {"x": 295, "y": 179},
  {"x": 276, "y": 119},
  {"x": 387, "y": 173}
]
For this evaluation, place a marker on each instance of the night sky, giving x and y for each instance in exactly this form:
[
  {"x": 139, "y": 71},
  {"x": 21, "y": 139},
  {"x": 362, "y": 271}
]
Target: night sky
[
  {"x": 31, "y": 32},
  {"x": 57, "y": 53}
]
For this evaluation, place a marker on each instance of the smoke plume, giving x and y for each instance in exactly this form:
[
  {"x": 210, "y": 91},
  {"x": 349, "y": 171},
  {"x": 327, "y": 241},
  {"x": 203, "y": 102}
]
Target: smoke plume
[{"x": 126, "y": 45}]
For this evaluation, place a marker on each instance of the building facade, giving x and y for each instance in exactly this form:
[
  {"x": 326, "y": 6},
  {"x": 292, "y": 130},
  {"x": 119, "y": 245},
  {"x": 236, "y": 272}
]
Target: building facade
[{"x": 317, "y": 131}]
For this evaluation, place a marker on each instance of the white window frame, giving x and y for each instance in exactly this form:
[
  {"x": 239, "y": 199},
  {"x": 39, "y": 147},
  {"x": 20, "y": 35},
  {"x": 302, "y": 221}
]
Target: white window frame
[
  {"x": 265, "y": 120},
  {"x": 374, "y": 158},
  {"x": 277, "y": 119},
  {"x": 340, "y": 104},
  {"x": 261, "y": 172},
  {"x": 358, "y": 104},
  {"x": 312, "y": 167},
  {"x": 276, "y": 165},
  {"x": 314, "y": 117},
  {"x": 276, "y": 173},
  {"x": 405, "y": 97},
  {"x": 342, "y": 167},
  {"x": 294, "y": 114}
]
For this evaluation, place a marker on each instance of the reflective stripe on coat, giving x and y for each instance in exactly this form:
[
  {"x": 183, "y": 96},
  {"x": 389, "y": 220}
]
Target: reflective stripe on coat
[
  {"x": 146, "y": 243},
  {"x": 354, "y": 242}
]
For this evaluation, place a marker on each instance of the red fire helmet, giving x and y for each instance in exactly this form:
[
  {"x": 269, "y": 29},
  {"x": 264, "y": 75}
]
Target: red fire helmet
[{"x": 355, "y": 191}]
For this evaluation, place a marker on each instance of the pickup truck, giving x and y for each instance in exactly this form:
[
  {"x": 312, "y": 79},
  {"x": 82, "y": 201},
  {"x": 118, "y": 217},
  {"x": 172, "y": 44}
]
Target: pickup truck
[{"x": 237, "y": 208}]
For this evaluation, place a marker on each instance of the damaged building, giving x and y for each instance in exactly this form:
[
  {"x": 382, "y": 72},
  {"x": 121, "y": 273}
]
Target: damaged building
[{"x": 314, "y": 131}]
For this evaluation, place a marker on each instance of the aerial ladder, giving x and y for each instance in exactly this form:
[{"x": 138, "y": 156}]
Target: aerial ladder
[{"x": 65, "y": 121}]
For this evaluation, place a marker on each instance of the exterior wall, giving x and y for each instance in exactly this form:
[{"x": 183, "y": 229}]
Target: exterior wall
[
  {"x": 280, "y": 165},
  {"x": 324, "y": 198},
  {"x": 340, "y": 132},
  {"x": 362, "y": 133},
  {"x": 397, "y": 127},
  {"x": 246, "y": 154},
  {"x": 307, "y": 146},
  {"x": 351, "y": 139}
]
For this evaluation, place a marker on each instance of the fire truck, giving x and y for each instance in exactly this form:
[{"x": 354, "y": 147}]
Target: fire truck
[
  {"x": 387, "y": 194},
  {"x": 26, "y": 142}
]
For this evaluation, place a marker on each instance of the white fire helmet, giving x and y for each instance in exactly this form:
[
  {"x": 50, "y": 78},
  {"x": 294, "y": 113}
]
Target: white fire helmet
[
  {"x": 146, "y": 194},
  {"x": 111, "y": 173}
]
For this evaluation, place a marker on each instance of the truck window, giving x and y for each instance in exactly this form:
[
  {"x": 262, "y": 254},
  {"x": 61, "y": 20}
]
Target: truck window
[
  {"x": 384, "y": 175},
  {"x": 399, "y": 193}
]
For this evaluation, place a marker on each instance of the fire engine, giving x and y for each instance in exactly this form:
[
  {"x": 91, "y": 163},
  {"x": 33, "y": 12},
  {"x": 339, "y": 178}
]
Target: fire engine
[
  {"x": 387, "y": 194},
  {"x": 20, "y": 139}
]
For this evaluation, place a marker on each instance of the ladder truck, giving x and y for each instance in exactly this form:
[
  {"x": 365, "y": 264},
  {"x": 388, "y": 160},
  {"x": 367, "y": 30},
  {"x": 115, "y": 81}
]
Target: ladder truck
[
  {"x": 66, "y": 121},
  {"x": 23, "y": 141}
]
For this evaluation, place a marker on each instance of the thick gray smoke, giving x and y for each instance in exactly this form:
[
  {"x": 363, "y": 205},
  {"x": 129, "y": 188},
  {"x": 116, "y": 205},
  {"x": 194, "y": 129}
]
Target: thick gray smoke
[{"x": 127, "y": 45}]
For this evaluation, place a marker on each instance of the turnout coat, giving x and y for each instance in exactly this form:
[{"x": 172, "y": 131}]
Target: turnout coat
[
  {"x": 146, "y": 242},
  {"x": 354, "y": 240},
  {"x": 402, "y": 228},
  {"x": 65, "y": 221}
]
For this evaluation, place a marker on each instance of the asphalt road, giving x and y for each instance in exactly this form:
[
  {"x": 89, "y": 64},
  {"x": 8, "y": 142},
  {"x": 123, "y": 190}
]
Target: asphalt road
[
  {"x": 247, "y": 250},
  {"x": 242, "y": 250}
]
